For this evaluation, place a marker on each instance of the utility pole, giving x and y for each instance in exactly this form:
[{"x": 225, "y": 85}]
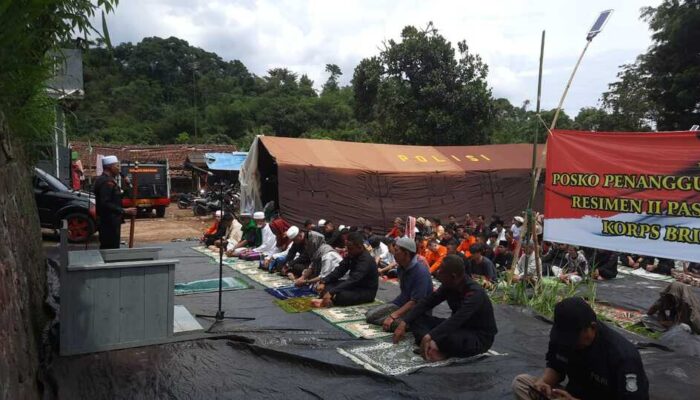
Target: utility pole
[{"x": 194, "y": 94}]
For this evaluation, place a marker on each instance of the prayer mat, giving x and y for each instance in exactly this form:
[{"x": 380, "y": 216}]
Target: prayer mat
[
  {"x": 214, "y": 255},
  {"x": 295, "y": 305},
  {"x": 290, "y": 292},
  {"x": 244, "y": 268},
  {"x": 393, "y": 281},
  {"x": 335, "y": 315},
  {"x": 209, "y": 285},
  {"x": 644, "y": 274},
  {"x": 267, "y": 280},
  {"x": 688, "y": 279},
  {"x": 619, "y": 315},
  {"x": 364, "y": 330},
  {"x": 398, "y": 359}
]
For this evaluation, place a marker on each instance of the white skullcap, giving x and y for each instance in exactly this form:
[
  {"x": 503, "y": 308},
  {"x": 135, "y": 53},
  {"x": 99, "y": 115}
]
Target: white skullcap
[
  {"x": 259, "y": 215},
  {"x": 109, "y": 160},
  {"x": 520, "y": 219},
  {"x": 292, "y": 232},
  {"x": 321, "y": 222},
  {"x": 341, "y": 227},
  {"x": 217, "y": 213}
]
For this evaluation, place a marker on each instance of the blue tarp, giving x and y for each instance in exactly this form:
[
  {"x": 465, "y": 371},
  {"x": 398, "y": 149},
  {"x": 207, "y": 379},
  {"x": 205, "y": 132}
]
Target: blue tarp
[{"x": 225, "y": 161}]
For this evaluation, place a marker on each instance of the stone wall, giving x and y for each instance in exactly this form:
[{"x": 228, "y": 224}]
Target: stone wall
[{"x": 22, "y": 276}]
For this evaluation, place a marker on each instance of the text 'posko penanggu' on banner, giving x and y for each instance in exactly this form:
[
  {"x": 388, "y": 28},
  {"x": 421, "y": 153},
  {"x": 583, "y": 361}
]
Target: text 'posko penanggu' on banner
[{"x": 630, "y": 192}]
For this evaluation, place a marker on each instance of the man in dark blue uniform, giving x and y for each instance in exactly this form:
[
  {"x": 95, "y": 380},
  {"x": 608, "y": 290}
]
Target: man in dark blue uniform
[
  {"x": 108, "y": 199},
  {"x": 599, "y": 362},
  {"x": 470, "y": 329}
]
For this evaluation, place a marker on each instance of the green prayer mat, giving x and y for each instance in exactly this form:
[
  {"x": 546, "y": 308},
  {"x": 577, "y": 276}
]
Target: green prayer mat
[
  {"x": 296, "y": 304},
  {"x": 364, "y": 330},
  {"x": 335, "y": 315},
  {"x": 210, "y": 285},
  {"x": 398, "y": 359}
]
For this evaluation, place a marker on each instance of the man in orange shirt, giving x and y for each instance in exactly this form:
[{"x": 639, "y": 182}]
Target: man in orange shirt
[
  {"x": 434, "y": 254},
  {"x": 467, "y": 242}
]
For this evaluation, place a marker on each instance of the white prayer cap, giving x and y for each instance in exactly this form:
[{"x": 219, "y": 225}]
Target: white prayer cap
[
  {"x": 520, "y": 219},
  {"x": 109, "y": 160},
  {"x": 292, "y": 232},
  {"x": 217, "y": 213},
  {"x": 259, "y": 215},
  {"x": 341, "y": 227},
  {"x": 321, "y": 222}
]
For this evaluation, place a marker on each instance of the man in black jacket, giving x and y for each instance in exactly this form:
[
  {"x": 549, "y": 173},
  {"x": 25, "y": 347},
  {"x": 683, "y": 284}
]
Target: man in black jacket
[
  {"x": 362, "y": 282},
  {"x": 471, "y": 328},
  {"x": 598, "y": 362},
  {"x": 108, "y": 204}
]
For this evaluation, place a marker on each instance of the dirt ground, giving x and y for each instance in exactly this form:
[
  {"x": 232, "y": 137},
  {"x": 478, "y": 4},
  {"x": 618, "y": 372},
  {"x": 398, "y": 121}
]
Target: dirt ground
[{"x": 177, "y": 224}]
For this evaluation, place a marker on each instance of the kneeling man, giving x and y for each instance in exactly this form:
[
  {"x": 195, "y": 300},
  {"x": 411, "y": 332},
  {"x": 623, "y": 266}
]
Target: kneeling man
[
  {"x": 415, "y": 284},
  {"x": 471, "y": 328},
  {"x": 362, "y": 282},
  {"x": 599, "y": 362}
]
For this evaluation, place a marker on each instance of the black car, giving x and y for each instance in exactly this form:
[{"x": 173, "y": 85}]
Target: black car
[{"x": 57, "y": 202}]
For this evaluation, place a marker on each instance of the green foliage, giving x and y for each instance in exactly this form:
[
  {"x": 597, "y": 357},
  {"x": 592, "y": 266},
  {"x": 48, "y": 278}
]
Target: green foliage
[
  {"x": 661, "y": 88},
  {"x": 421, "y": 91},
  {"x": 30, "y": 29},
  {"x": 541, "y": 298},
  {"x": 331, "y": 84},
  {"x": 182, "y": 138}
]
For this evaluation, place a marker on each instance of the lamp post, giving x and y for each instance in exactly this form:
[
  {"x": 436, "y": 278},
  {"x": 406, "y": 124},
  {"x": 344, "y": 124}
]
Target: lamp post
[{"x": 592, "y": 33}]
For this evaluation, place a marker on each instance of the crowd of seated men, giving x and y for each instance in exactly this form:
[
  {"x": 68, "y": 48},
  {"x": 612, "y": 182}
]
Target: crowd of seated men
[{"x": 344, "y": 265}]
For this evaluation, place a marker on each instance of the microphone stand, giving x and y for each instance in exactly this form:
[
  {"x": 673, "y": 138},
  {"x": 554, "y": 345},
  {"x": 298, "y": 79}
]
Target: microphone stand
[{"x": 219, "y": 316}]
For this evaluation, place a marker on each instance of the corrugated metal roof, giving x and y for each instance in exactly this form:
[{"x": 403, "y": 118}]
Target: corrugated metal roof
[
  {"x": 175, "y": 154},
  {"x": 225, "y": 161}
]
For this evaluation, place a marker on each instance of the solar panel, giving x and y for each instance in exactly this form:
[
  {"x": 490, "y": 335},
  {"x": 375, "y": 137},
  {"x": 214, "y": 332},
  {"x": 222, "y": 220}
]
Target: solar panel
[{"x": 599, "y": 24}]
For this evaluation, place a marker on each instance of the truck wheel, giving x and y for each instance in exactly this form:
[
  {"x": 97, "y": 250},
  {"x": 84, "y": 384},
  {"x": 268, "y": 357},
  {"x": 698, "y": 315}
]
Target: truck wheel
[
  {"x": 160, "y": 212},
  {"x": 80, "y": 227}
]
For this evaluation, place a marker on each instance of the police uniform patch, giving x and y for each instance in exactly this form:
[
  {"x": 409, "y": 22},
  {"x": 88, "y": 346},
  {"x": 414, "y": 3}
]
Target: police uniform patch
[{"x": 631, "y": 383}]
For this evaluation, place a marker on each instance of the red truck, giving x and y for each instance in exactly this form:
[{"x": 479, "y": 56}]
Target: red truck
[{"x": 153, "y": 184}]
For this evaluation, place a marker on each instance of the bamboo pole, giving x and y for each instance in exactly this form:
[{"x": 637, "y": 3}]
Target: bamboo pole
[{"x": 561, "y": 103}]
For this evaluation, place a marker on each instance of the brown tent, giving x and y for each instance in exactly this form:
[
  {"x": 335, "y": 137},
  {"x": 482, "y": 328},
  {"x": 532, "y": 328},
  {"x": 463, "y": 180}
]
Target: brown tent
[{"x": 371, "y": 184}]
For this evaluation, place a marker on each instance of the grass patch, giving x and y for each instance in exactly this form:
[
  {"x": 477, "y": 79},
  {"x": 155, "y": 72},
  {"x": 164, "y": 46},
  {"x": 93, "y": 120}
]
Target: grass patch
[{"x": 545, "y": 294}]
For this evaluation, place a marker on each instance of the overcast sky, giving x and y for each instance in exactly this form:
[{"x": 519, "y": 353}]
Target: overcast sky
[{"x": 306, "y": 35}]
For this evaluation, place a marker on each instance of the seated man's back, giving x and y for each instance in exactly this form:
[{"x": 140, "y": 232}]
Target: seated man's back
[{"x": 470, "y": 329}]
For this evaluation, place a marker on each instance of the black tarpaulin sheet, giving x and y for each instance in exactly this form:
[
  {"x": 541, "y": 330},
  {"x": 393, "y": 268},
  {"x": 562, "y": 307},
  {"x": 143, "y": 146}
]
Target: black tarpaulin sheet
[
  {"x": 632, "y": 292},
  {"x": 294, "y": 356}
]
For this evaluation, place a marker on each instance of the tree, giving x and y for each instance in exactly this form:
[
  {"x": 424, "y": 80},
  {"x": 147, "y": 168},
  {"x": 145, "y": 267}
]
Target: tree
[
  {"x": 306, "y": 86},
  {"x": 365, "y": 86},
  {"x": 628, "y": 102},
  {"x": 331, "y": 84},
  {"x": 426, "y": 92},
  {"x": 182, "y": 138},
  {"x": 661, "y": 89}
]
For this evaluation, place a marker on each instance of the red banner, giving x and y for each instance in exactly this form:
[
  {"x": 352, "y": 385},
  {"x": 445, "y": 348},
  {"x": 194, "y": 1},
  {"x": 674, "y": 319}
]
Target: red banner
[{"x": 630, "y": 192}]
